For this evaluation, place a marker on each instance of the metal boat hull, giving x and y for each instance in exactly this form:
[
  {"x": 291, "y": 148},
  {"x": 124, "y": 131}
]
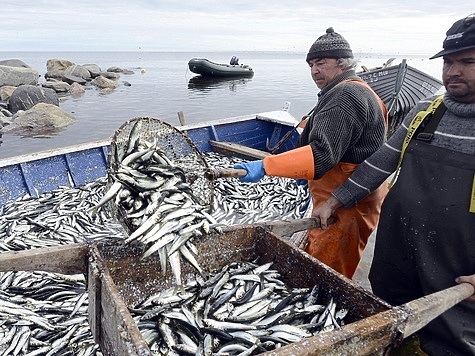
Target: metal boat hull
[{"x": 400, "y": 87}]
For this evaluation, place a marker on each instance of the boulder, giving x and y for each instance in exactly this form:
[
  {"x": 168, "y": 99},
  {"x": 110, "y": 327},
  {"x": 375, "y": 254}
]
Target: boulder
[
  {"x": 26, "y": 96},
  {"x": 78, "y": 71},
  {"x": 5, "y": 112},
  {"x": 93, "y": 69},
  {"x": 41, "y": 119},
  {"x": 6, "y": 92},
  {"x": 54, "y": 74},
  {"x": 14, "y": 63},
  {"x": 103, "y": 83},
  {"x": 5, "y": 119},
  {"x": 55, "y": 68},
  {"x": 77, "y": 90},
  {"x": 110, "y": 75},
  {"x": 57, "y": 86},
  {"x": 16, "y": 76},
  {"x": 58, "y": 64},
  {"x": 114, "y": 69},
  {"x": 70, "y": 79}
]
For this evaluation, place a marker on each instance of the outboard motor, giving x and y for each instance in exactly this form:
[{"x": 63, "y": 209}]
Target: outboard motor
[{"x": 234, "y": 60}]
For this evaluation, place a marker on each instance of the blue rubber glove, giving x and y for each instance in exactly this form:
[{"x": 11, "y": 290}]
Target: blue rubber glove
[
  {"x": 255, "y": 171},
  {"x": 302, "y": 182}
]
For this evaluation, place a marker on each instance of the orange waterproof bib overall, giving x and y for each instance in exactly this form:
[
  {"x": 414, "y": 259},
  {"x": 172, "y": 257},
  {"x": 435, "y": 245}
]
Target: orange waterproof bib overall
[{"x": 341, "y": 245}]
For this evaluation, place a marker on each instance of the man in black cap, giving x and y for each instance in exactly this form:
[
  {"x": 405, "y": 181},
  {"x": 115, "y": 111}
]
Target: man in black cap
[
  {"x": 346, "y": 126},
  {"x": 426, "y": 233}
]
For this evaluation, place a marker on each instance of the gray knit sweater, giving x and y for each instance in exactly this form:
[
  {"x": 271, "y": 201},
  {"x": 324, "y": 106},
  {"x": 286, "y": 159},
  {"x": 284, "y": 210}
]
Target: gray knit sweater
[
  {"x": 347, "y": 124},
  {"x": 456, "y": 131}
]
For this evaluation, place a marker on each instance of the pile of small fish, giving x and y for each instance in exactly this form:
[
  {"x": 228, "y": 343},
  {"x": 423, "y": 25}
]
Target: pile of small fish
[
  {"x": 56, "y": 218},
  {"x": 152, "y": 194},
  {"x": 63, "y": 217},
  {"x": 271, "y": 199},
  {"x": 244, "y": 307},
  {"x": 44, "y": 314}
]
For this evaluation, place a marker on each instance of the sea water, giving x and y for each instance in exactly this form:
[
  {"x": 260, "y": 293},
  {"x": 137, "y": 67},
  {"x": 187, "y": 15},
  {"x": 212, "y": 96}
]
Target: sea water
[{"x": 162, "y": 85}]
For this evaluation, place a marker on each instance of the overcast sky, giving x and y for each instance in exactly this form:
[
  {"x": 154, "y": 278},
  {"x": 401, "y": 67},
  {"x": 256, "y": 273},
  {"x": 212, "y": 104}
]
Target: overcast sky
[{"x": 391, "y": 26}]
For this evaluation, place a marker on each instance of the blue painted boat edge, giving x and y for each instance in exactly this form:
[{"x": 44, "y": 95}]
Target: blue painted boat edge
[
  {"x": 5, "y": 162},
  {"x": 35, "y": 176},
  {"x": 77, "y": 165}
]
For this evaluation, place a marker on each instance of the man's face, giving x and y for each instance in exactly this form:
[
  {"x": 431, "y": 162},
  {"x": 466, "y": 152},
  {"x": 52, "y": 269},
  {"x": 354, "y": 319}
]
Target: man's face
[
  {"x": 458, "y": 75},
  {"x": 324, "y": 70}
]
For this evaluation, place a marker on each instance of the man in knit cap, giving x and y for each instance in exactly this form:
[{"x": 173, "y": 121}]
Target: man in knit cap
[
  {"x": 426, "y": 234},
  {"x": 346, "y": 126}
]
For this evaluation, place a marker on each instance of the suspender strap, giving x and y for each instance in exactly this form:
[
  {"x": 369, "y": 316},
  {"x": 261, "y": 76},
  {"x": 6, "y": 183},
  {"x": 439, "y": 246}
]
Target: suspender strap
[
  {"x": 472, "y": 200},
  {"x": 413, "y": 126},
  {"x": 433, "y": 121}
]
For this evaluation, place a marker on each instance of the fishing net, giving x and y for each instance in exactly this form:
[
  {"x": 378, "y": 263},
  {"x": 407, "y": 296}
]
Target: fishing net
[{"x": 178, "y": 148}]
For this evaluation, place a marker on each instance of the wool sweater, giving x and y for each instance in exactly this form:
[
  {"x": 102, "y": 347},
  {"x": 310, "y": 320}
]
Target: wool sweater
[
  {"x": 456, "y": 131},
  {"x": 347, "y": 124}
]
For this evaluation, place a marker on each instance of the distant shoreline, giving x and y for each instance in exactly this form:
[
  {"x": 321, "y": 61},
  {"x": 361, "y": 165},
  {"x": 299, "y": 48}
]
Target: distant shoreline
[{"x": 356, "y": 53}]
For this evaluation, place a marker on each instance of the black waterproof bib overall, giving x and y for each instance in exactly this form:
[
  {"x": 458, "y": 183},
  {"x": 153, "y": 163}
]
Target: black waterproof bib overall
[{"x": 426, "y": 238}]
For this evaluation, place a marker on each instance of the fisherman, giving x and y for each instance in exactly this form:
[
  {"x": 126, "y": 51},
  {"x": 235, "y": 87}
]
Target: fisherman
[
  {"x": 425, "y": 238},
  {"x": 348, "y": 124}
]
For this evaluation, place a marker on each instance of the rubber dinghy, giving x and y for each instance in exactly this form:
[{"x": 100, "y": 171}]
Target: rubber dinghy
[{"x": 206, "y": 68}]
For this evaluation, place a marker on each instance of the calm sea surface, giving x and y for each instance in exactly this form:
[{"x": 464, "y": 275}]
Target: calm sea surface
[{"x": 162, "y": 86}]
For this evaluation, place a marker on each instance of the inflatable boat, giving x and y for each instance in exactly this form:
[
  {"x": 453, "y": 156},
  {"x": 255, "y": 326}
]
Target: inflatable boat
[{"x": 206, "y": 68}]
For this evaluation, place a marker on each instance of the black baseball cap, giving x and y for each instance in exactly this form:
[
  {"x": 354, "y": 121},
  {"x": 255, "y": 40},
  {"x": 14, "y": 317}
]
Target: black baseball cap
[{"x": 460, "y": 37}]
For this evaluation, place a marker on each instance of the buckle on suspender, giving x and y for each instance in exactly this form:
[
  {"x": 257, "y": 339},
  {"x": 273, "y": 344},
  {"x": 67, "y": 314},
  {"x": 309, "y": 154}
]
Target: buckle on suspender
[{"x": 425, "y": 136}]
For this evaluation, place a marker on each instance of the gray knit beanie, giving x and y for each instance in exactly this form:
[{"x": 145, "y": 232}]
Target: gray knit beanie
[{"x": 330, "y": 45}]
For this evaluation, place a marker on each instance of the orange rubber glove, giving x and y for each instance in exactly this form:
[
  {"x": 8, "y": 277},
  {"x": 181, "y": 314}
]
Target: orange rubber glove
[{"x": 297, "y": 163}]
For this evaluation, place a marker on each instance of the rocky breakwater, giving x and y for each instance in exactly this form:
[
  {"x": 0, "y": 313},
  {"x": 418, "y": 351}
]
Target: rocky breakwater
[{"x": 30, "y": 107}]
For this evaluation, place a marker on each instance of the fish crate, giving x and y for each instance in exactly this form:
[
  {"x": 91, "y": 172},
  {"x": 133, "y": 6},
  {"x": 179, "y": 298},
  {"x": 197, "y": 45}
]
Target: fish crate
[{"x": 118, "y": 279}]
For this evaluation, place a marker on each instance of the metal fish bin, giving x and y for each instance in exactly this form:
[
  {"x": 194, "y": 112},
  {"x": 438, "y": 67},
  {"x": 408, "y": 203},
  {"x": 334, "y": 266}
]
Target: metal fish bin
[{"x": 118, "y": 278}]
